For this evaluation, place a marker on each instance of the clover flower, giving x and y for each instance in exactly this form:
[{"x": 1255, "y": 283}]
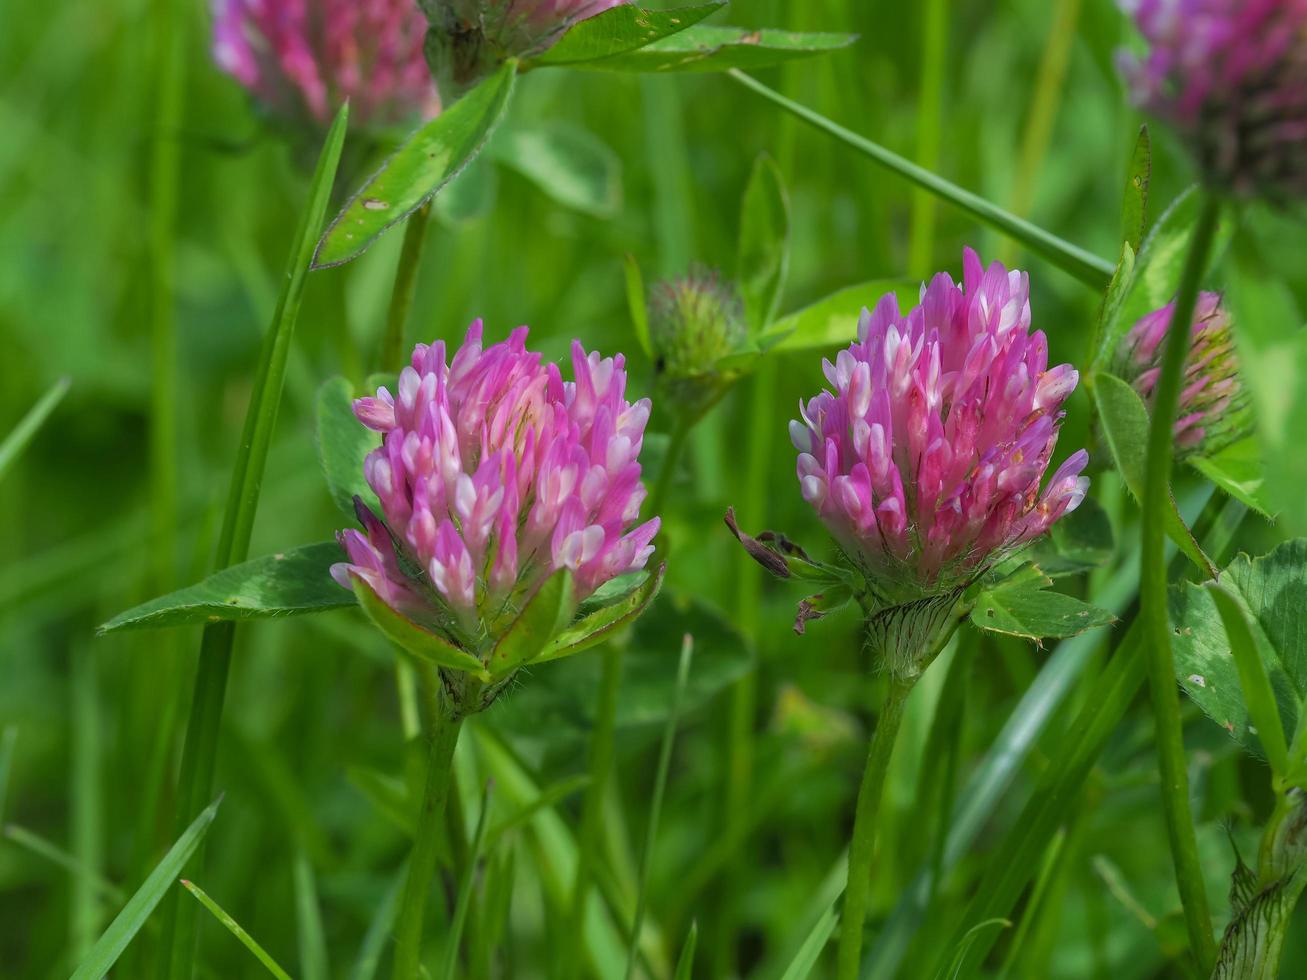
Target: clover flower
[
  {"x": 302, "y": 58},
  {"x": 468, "y": 38},
  {"x": 1214, "y": 409},
  {"x": 926, "y": 460},
  {"x": 493, "y": 473},
  {"x": 1231, "y": 77}
]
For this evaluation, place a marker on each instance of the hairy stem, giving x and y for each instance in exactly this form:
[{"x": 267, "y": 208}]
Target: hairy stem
[{"x": 1153, "y": 605}]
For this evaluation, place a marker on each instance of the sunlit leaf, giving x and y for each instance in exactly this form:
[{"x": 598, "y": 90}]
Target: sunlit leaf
[
  {"x": 618, "y": 30},
  {"x": 705, "y": 48},
  {"x": 288, "y": 583},
  {"x": 1021, "y": 606},
  {"x": 426, "y": 162},
  {"x": 832, "y": 322}
]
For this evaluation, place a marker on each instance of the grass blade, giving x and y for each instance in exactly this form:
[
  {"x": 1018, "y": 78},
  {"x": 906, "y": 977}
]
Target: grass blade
[
  {"x": 41, "y": 847},
  {"x": 685, "y": 963},
  {"x": 199, "y": 753},
  {"x": 27, "y": 426},
  {"x": 7, "y": 741},
  {"x": 104, "y": 954},
  {"x": 235, "y": 929},
  {"x": 1085, "y": 266},
  {"x": 464, "y": 901},
  {"x": 308, "y": 923},
  {"x": 378, "y": 934},
  {"x": 660, "y": 788},
  {"x": 812, "y": 947}
]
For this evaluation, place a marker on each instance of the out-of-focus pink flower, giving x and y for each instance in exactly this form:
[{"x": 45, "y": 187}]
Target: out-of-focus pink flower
[
  {"x": 469, "y": 38},
  {"x": 303, "y": 58},
  {"x": 1213, "y": 404},
  {"x": 926, "y": 461},
  {"x": 492, "y": 474},
  {"x": 1231, "y": 76}
]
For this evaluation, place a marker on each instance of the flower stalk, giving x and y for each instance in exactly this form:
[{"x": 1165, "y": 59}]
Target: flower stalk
[{"x": 1153, "y": 597}]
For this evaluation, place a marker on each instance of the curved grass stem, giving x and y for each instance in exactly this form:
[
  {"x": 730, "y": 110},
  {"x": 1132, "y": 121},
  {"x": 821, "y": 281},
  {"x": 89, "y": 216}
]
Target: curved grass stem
[{"x": 1153, "y": 601}]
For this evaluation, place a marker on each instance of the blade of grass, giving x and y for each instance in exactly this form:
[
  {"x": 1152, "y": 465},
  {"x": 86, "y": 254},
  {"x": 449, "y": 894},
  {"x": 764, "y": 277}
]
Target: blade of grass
[
  {"x": 235, "y": 929},
  {"x": 685, "y": 962},
  {"x": 29, "y": 424},
  {"x": 464, "y": 900},
  {"x": 378, "y": 934},
  {"x": 310, "y": 938},
  {"x": 104, "y": 954},
  {"x": 1084, "y": 266},
  {"x": 934, "y": 47},
  {"x": 200, "y": 749},
  {"x": 656, "y": 806},
  {"x": 41, "y": 847},
  {"x": 812, "y": 947},
  {"x": 87, "y": 801},
  {"x": 7, "y": 742}
]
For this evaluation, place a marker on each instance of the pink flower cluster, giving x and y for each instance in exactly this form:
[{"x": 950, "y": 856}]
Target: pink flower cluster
[
  {"x": 305, "y": 57},
  {"x": 1213, "y": 409},
  {"x": 925, "y": 462},
  {"x": 493, "y": 473},
  {"x": 1231, "y": 75}
]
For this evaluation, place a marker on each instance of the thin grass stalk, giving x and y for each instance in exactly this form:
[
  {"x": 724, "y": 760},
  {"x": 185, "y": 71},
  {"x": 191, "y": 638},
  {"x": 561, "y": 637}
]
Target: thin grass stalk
[
  {"x": 1153, "y": 602},
  {"x": 200, "y": 750},
  {"x": 393, "y": 346},
  {"x": 1088, "y": 268},
  {"x": 862, "y": 847},
  {"x": 1045, "y": 101},
  {"x": 934, "y": 44}
]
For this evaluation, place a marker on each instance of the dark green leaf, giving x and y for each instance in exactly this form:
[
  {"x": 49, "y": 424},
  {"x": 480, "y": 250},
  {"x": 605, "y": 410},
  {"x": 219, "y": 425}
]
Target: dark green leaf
[
  {"x": 288, "y": 583},
  {"x": 27, "y": 427},
  {"x": 425, "y": 163},
  {"x": 104, "y": 954},
  {"x": 833, "y": 321},
  {"x": 343, "y": 442},
  {"x": 597, "y": 624},
  {"x": 536, "y": 624},
  {"x": 618, "y": 30},
  {"x": 707, "y": 48},
  {"x": 409, "y": 636},
  {"x": 1239, "y": 470},
  {"x": 1134, "y": 211},
  {"x": 1021, "y": 607},
  {"x": 763, "y": 251},
  {"x": 570, "y": 164},
  {"x": 1270, "y": 592}
]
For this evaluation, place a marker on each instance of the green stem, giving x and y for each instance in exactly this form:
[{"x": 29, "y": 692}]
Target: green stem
[
  {"x": 1153, "y": 602},
  {"x": 862, "y": 847},
  {"x": 1085, "y": 266},
  {"x": 601, "y": 765},
  {"x": 401, "y": 296},
  {"x": 679, "y": 436},
  {"x": 443, "y": 723}
]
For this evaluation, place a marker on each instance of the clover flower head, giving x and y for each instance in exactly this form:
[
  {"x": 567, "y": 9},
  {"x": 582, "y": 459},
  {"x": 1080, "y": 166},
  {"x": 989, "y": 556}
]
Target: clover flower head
[
  {"x": 694, "y": 321},
  {"x": 302, "y": 58},
  {"x": 926, "y": 459},
  {"x": 493, "y": 473},
  {"x": 1214, "y": 407},
  {"x": 1231, "y": 77}
]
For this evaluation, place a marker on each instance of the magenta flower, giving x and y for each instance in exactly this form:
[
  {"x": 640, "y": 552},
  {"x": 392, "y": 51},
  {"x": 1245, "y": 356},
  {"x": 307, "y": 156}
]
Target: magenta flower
[
  {"x": 1213, "y": 405},
  {"x": 493, "y": 473},
  {"x": 1231, "y": 76},
  {"x": 926, "y": 460},
  {"x": 303, "y": 58}
]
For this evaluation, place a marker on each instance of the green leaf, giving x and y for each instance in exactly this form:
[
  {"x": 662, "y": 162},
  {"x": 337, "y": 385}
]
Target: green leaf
[
  {"x": 343, "y": 442},
  {"x": 411, "y": 637},
  {"x": 806, "y": 958},
  {"x": 597, "y": 624},
  {"x": 289, "y": 583},
  {"x": 570, "y": 164},
  {"x": 1134, "y": 210},
  {"x": 1238, "y": 469},
  {"x": 833, "y": 321},
  {"x": 1020, "y": 606},
  {"x": 618, "y": 30},
  {"x": 104, "y": 954},
  {"x": 1253, "y": 678},
  {"x": 1269, "y": 592},
  {"x": 706, "y": 48},
  {"x": 425, "y": 163},
  {"x": 1273, "y": 364},
  {"x": 234, "y": 927},
  {"x": 14, "y": 443},
  {"x": 1079, "y": 541},
  {"x": 536, "y": 624},
  {"x": 763, "y": 251},
  {"x": 1124, "y": 422},
  {"x": 685, "y": 962},
  {"x": 635, "y": 304}
]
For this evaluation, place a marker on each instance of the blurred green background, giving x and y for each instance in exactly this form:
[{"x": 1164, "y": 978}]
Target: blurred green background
[{"x": 313, "y": 713}]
